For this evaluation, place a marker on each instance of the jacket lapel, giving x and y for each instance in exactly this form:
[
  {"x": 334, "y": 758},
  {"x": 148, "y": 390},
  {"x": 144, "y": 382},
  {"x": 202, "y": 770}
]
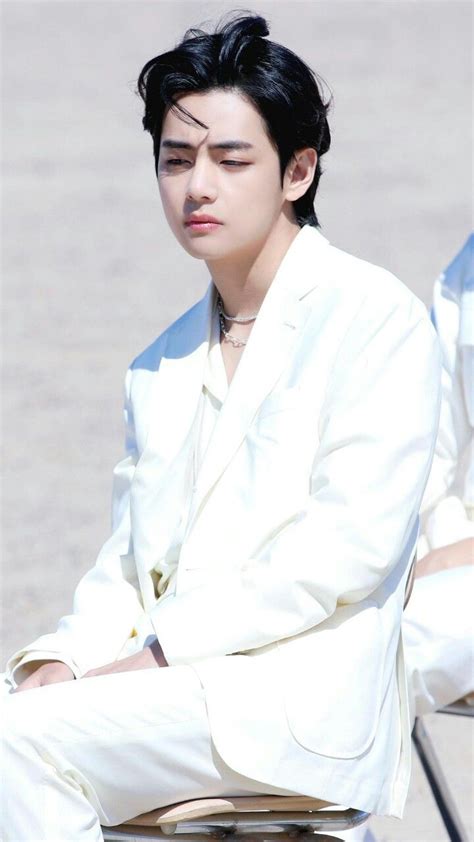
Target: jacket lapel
[
  {"x": 275, "y": 332},
  {"x": 163, "y": 472}
]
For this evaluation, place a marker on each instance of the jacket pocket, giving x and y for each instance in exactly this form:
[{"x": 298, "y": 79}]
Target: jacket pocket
[{"x": 334, "y": 681}]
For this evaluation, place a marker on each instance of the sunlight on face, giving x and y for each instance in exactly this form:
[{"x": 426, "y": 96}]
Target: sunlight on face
[{"x": 240, "y": 187}]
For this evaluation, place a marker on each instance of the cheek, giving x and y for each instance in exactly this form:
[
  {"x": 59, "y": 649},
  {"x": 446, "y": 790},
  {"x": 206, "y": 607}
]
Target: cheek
[
  {"x": 263, "y": 186},
  {"x": 253, "y": 198},
  {"x": 172, "y": 204},
  {"x": 263, "y": 201},
  {"x": 167, "y": 191}
]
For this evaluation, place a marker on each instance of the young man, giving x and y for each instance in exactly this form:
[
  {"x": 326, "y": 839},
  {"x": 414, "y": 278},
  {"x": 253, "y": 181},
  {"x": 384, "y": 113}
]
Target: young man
[{"x": 240, "y": 630}]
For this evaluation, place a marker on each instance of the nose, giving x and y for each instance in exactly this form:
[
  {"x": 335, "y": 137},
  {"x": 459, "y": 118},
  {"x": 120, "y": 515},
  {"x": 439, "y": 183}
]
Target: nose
[{"x": 201, "y": 182}]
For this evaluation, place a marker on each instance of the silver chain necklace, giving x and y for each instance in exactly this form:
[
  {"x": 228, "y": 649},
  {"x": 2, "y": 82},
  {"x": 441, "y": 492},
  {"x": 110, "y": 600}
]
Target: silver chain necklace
[
  {"x": 237, "y": 343},
  {"x": 239, "y": 319}
]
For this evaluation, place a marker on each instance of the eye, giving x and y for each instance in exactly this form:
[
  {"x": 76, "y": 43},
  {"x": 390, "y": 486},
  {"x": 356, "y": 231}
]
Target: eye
[{"x": 176, "y": 162}]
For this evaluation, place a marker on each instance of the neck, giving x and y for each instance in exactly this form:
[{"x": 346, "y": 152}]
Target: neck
[{"x": 243, "y": 280}]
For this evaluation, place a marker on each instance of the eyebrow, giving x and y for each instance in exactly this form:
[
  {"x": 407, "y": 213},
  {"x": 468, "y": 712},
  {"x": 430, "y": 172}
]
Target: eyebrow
[{"x": 224, "y": 144}]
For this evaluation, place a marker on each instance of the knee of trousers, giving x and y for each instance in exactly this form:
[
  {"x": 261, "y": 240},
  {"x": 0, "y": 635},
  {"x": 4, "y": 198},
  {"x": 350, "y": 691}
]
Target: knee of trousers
[
  {"x": 21, "y": 721},
  {"x": 26, "y": 749}
]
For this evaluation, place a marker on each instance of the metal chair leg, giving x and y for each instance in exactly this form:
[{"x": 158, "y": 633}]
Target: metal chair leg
[{"x": 438, "y": 783}]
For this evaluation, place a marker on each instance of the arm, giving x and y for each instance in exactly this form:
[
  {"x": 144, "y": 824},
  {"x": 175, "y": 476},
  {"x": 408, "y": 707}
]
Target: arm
[
  {"x": 445, "y": 558},
  {"x": 30, "y": 663},
  {"x": 377, "y": 435},
  {"x": 106, "y": 602}
]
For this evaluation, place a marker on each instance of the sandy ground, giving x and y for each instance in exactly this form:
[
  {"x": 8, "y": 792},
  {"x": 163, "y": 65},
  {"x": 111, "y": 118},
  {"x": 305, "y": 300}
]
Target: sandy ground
[{"x": 91, "y": 272}]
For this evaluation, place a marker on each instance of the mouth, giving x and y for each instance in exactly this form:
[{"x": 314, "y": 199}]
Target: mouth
[{"x": 206, "y": 225}]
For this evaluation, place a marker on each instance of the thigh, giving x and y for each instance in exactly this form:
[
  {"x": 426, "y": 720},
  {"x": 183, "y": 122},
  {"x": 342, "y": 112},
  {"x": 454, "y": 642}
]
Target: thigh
[{"x": 132, "y": 741}]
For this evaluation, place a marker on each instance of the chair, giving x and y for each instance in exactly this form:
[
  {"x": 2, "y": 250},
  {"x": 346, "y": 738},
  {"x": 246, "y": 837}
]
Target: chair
[
  {"x": 435, "y": 775},
  {"x": 264, "y": 817}
]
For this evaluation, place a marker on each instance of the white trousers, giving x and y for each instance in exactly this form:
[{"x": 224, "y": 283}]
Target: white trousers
[{"x": 99, "y": 750}]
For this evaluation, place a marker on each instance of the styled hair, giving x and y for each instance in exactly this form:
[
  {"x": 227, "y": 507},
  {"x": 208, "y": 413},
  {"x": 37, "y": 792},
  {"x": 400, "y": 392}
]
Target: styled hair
[{"x": 283, "y": 89}]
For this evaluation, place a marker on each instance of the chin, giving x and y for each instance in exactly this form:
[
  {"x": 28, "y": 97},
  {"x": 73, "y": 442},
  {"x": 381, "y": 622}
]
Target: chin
[{"x": 203, "y": 247}]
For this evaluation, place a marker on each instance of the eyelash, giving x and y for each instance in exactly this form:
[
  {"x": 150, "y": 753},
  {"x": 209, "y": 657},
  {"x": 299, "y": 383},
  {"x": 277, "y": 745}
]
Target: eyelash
[{"x": 176, "y": 161}]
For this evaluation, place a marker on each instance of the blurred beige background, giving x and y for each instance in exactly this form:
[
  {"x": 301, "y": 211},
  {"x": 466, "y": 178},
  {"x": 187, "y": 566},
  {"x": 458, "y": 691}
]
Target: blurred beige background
[{"x": 91, "y": 273}]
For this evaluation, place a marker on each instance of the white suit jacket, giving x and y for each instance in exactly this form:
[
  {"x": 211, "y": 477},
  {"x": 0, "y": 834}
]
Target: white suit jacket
[
  {"x": 448, "y": 504},
  {"x": 300, "y": 526}
]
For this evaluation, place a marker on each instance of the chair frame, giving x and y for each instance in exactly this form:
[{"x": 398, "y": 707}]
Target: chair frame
[
  {"x": 281, "y": 826},
  {"x": 434, "y": 773}
]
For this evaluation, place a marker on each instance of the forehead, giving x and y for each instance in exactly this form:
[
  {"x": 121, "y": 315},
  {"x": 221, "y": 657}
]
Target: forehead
[{"x": 227, "y": 114}]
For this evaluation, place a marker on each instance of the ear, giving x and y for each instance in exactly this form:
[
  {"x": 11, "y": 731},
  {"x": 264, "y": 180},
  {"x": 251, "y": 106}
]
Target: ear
[{"x": 299, "y": 173}]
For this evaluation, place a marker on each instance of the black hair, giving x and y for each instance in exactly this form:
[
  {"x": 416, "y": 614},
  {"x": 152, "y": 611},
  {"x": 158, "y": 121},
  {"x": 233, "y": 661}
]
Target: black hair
[{"x": 280, "y": 85}]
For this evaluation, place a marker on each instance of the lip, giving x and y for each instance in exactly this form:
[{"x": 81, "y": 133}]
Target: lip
[{"x": 202, "y": 220}]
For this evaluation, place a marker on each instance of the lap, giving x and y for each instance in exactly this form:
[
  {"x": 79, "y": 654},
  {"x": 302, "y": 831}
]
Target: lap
[
  {"x": 107, "y": 705},
  {"x": 134, "y": 741}
]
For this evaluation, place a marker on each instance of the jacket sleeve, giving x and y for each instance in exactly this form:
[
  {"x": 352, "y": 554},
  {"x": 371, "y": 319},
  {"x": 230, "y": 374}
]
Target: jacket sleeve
[
  {"x": 106, "y": 601},
  {"x": 377, "y": 433}
]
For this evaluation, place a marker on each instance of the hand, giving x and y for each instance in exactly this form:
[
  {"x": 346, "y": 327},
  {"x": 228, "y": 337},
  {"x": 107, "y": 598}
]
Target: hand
[
  {"x": 150, "y": 656},
  {"x": 444, "y": 558},
  {"x": 50, "y": 673}
]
